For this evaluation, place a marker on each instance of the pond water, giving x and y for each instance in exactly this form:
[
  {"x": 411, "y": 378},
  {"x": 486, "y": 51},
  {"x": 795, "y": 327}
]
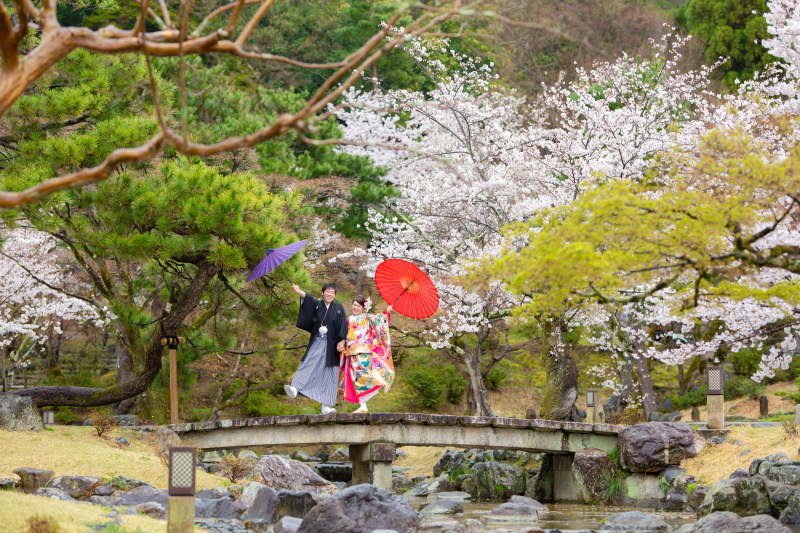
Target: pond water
[{"x": 561, "y": 516}]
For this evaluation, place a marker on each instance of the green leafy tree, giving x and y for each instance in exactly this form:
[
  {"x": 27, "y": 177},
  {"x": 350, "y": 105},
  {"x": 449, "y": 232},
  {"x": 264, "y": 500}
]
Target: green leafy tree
[
  {"x": 185, "y": 233},
  {"x": 731, "y": 29},
  {"x": 154, "y": 242}
]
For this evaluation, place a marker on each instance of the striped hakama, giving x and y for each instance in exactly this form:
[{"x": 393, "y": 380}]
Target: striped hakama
[{"x": 315, "y": 380}]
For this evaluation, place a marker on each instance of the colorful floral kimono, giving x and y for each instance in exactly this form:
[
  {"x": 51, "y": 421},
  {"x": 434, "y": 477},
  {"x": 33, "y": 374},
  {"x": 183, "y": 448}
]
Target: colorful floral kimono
[{"x": 368, "y": 365}]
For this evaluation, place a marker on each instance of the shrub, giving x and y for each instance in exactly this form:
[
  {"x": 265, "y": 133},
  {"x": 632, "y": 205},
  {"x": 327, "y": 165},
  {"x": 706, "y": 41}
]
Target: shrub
[
  {"x": 262, "y": 403},
  {"x": 236, "y": 468},
  {"x": 498, "y": 375},
  {"x": 790, "y": 430},
  {"x": 102, "y": 422},
  {"x": 43, "y": 524},
  {"x": 693, "y": 398},
  {"x": 738, "y": 387},
  {"x": 455, "y": 383},
  {"x": 745, "y": 362},
  {"x": 624, "y": 417},
  {"x": 427, "y": 385}
]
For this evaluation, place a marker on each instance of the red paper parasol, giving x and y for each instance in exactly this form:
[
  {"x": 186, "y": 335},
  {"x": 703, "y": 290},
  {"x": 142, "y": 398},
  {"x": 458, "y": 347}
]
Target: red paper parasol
[{"x": 410, "y": 290}]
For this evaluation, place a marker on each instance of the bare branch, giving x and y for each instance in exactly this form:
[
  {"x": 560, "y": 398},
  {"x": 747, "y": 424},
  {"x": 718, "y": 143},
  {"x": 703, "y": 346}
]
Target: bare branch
[
  {"x": 251, "y": 24},
  {"x": 83, "y": 177}
]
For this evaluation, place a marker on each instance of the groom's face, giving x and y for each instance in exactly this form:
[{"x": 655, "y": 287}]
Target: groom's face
[{"x": 328, "y": 295}]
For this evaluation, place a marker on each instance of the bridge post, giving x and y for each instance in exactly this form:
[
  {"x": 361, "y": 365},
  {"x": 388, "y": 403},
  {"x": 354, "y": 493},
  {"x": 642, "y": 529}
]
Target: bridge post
[
  {"x": 372, "y": 463},
  {"x": 359, "y": 456},
  {"x": 382, "y": 458}
]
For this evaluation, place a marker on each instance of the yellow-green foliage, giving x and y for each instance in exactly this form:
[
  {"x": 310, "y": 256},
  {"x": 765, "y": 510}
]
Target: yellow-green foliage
[{"x": 680, "y": 218}]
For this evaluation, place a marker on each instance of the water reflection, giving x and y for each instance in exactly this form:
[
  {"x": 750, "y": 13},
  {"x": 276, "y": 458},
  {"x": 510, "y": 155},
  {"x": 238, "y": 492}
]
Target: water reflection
[{"x": 562, "y": 516}]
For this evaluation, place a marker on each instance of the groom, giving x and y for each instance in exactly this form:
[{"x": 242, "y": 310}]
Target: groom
[{"x": 317, "y": 377}]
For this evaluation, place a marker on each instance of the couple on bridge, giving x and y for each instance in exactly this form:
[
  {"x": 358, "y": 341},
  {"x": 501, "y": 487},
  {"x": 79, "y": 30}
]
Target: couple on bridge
[{"x": 351, "y": 356}]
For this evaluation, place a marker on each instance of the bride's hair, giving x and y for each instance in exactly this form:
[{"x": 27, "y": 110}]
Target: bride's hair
[{"x": 360, "y": 300}]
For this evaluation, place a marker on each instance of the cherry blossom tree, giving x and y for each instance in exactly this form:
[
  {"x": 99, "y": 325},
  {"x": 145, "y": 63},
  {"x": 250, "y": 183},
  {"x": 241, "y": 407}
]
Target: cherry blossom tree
[
  {"x": 40, "y": 299},
  {"x": 460, "y": 158}
]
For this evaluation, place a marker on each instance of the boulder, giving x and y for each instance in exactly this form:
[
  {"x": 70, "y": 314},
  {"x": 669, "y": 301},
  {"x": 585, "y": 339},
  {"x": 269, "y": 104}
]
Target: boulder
[
  {"x": 296, "y": 503},
  {"x": 517, "y": 509},
  {"x": 123, "y": 442},
  {"x": 779, "y": 457},
  {"x": 335, "y": 472},
  {"x": 739, "y": 472},
  {"x": 466, "y": 483},
  {"x": 441, "y": 507},
  {"x": 432, "y": 486},
  {"x": 152, "y": 509},
  {"x": 677, "y": 499},
  {"x": 126, "y": 483},
  {"x": 257, "y": 501},
  {"x": 791, "y": 513},
  {"x": 591, "y": 469},
  {"x": 361, "y": 509},
  {"x": 540, "y": 483},
  {"x": 213, "y": 494},
  {"x": 656, "y": 445},
  {"x": 142, "y": 494},
  {"x": 726, "y": 521},
  {"x": 282, "y": 473},
  {"x": 126, "y": 420},
  {"x": 401, "y": 483},
  {"x": 287, "y": 524},
  {"x": 75, "y": 486},
  {"x": 166, "y": 437},
  {"x": 697, "y": 496},
  {"x": 340, "y": 455},
  {"x": 498, "y": 481},
  {"x": 786, "y": 473},
  {"x": 55, "y": 494},
  {"x": 247, "y": 454},
  {"x": 32, "y": 479},
  {"x": 304, "y": 456},
  {"x": 17, "y": 413},
  {"x": 634, "y": 521},
  {"x": 671, "y": 473},
  {"x": 452, "y": 463},
  {"x": 743, "y": 496},
  {"x": 640, "y": 490},
  {"x": 215, "y": 508},
  {"x": 211, "y": 457},
  {"x": 781, "y": 496}
]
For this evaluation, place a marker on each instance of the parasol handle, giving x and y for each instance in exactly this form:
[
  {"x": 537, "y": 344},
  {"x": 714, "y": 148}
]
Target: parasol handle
[
  {"x": 401, "y": 294},
  {"x": 284, "y": 273}
]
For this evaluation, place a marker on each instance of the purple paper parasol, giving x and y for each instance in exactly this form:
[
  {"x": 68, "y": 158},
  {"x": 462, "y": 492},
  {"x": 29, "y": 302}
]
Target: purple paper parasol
[{"x": 274, "y": 258}]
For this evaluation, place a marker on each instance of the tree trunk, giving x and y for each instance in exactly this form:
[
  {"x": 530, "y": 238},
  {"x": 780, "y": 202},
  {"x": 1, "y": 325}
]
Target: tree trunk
[
  {"x": 626, "y": 381},
  {"x": 646, "y": 385},
  {"x": 477, "y": 397},
  {"x": 360, "y": 282},
  {"x": 90, "y": 397},
  {"x": 561, "y": 387},
  {"x": 3, "y": 370},
  {"x": 125, "y": 368}
]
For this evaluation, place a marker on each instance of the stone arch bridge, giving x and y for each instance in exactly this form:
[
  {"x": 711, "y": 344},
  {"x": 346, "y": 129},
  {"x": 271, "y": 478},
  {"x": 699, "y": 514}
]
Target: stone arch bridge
[{"x": 373, "y": 438}]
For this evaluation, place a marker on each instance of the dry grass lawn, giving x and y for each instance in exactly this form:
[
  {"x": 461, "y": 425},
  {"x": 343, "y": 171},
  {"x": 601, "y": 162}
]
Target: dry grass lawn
[
  {"x": 717, "y": 462},
  {"x": 420, "y": 458},
  {"x": 77, "y": 450},
  {"x": 17, "y": 508}
]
